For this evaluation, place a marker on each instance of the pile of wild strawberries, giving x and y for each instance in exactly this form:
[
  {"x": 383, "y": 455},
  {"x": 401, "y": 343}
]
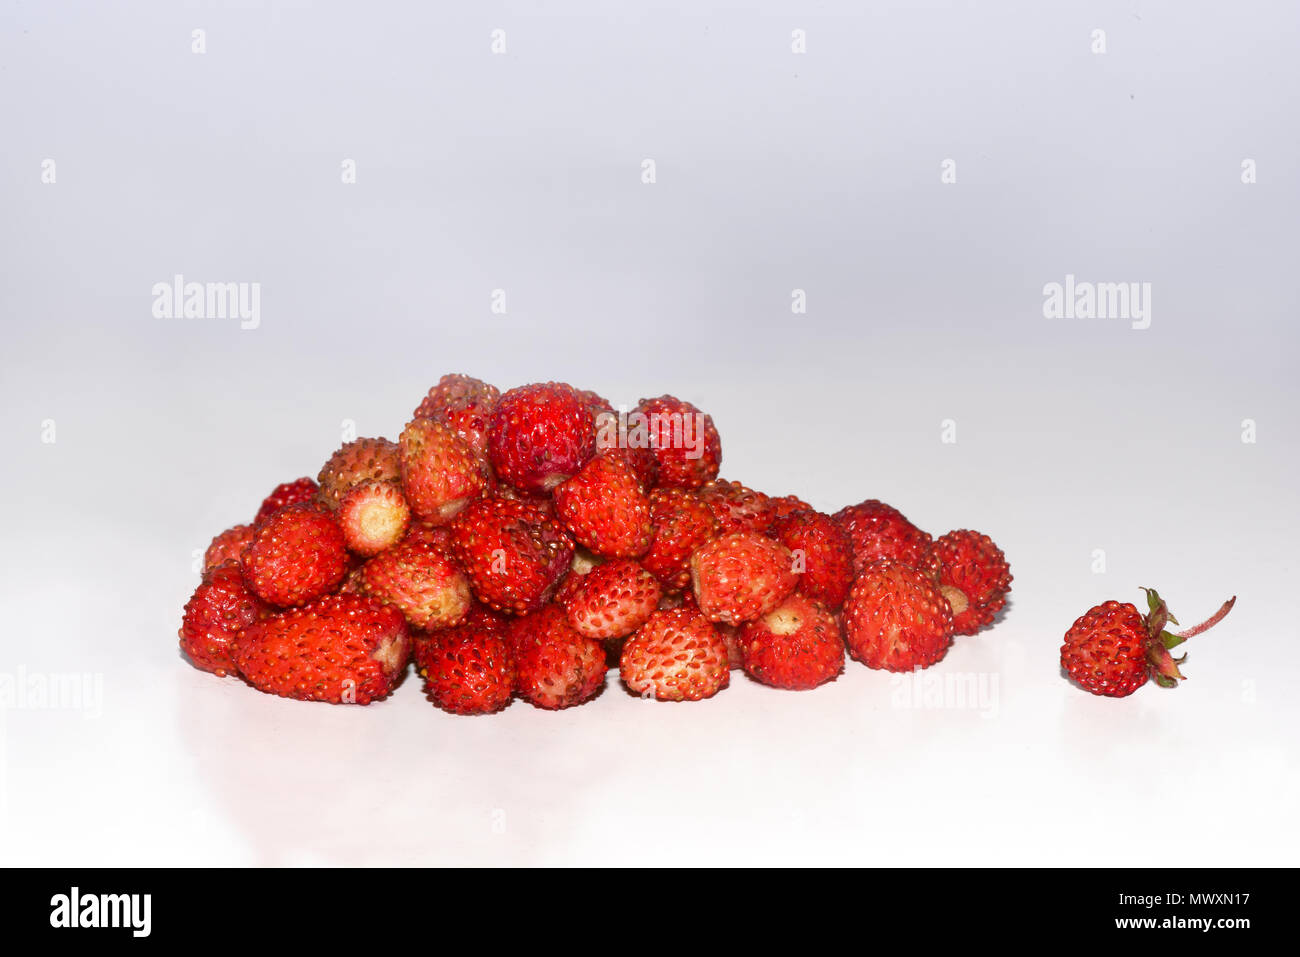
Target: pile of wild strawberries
[{"x": 523, "y": 543}]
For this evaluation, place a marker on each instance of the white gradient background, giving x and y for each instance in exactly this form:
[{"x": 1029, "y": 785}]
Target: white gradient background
[{"x": 775, "y": 172}]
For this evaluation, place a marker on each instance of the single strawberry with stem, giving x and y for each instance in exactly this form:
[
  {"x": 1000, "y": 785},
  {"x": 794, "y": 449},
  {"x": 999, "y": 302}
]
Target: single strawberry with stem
[{"x": 1113, "y": 650}]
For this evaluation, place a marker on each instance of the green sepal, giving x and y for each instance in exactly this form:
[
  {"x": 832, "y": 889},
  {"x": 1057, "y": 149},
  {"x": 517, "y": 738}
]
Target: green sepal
[
  {"x": 1157, "y": 604},
  {"x": 1170, "y": 640}
]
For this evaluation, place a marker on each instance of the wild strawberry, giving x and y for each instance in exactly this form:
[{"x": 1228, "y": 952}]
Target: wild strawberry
[
  {"x": 678, "y": 599},
  {"x": 896, "y": 618},
  {"x": 739, "y": 577},
  {"x": 1112, "y": 649},
  {"x": 353, "y": 582},
  {"x": 682, "y": 524},
  {"x": 374, "y": 516},
  {"x": 611, "y": 441},
  {"x": 297, "y": 555},
  {"x": 440, "y": 473},
  {"x": 421, "y": 581},
  {"x": 220, "y": 608},
  {"x": 684, "y": 440},
  {"x": 452, "y": 389},
  {"x": 594, "y": 401},
  {"x": 468, "y": 669},
  {"x": 605, "y": 509},
  {"x": 675, "y": 656},
  {"x": 539, "y": 435},
  {"x": 974, "y": 576},
  {"x": 228, "y": 546},
  {"x": 464, "y": 404},
  {"x": 568, "y": 585},
  {"x": 478, "y": 615},
  {"x": 287, "y": 493},
  {"x": 357, "y": 461},
  {"x": 879, "y": 531},
  {"x": 796, "y": 645},
  {"x": 513, "y": 553},
  {"x": 555, "y": 666},
  {"x": 612, "y": 600},
  {"x": 788, "y": 505},
  {"x": 823, "y": 555},
  {"x": 437, "y": 535},
  {"x": 736, "y": 508},
  {"x": 344, "y": 649},
  {"x": 481, "y": 616}
]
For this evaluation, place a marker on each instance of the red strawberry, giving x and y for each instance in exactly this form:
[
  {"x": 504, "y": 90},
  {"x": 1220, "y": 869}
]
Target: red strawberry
[
  {"x": 287, "y": 493},
  {"x": 440, "y": 473},
  {"x": 739, "y": 577},
  {"x": 682, "y": 524},
  {"x": 512, "y": 551},
  {"x": 1112, "y": 649},
  {"x": 374, "y": 516},
  {"x": 612, "y": 441},
  {"x": 974, "y": 576},
  {"x": 421, "y": 581},
  {"x": 788, "y": 505},
  {"x": 453, "y": 390},
  {"x": 680, "y": 599},
  {"x": 481, "y": 616},
  {"x": 605, "y": 509},
  {"x": 220, "y": 608},
  {"x": 464, "y": 404},
  {"x": 344, "y": 649},
  {"x": 228, "y": 546},
  {"x": 358, "y": 461},
  {"x": 796, "y": 646},
  {"x": 297, "y": 555},
  {"x": 675, "y": 656},
  {"x": 737, "y": 508},
  {"x": 612, "y": 600},
  {"x": 353, "y": 582},
  {"x": 436, "y": 535},
  {"x": 477, "y": 616},
  {"x": 823, "y": 555},
  {"x": 539, "y": 435},
  {"x": 879, "y": 531},
  {"x": 556, "y": 666},
  {"x": 684, "y": 440},
  {"x": 594, "y": 401},
  {"x": 896, "y": 618},
  {"x": 468, "y": 669}
]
